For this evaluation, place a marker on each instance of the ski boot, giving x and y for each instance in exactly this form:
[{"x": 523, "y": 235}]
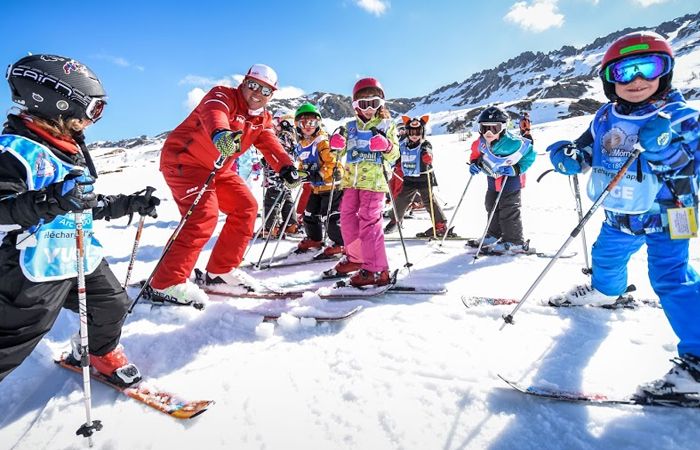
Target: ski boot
[
  {"x": 683, "y": 379},
  {"x": 440, "y": 230},
  {"x": 583, "y": 294},
  {"x": 182, "y": 294},
  {"x": 293, "y": 231},
  {"x": 113, "y": 365},
  {"x": 307, "y": 244},
  {"x": 391, "y": 227},
  {"x": 331, "y": 252},
  {"x": 365, "y": 278},
  {"x": 344, "y": 268},
  {"x": 238, "y": 280}
]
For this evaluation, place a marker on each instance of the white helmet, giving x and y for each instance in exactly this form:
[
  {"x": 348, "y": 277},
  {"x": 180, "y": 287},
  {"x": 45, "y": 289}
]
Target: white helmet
[{"x": 263, "y": 73}]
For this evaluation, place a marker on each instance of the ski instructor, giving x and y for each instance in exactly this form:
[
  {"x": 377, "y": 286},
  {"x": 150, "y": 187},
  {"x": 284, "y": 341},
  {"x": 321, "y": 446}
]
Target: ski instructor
[{"x": 228, "y": 121}]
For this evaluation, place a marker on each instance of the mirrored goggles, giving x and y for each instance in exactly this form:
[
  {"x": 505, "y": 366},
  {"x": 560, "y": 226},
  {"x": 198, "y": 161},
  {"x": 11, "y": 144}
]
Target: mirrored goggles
[
  {"x": 493, "y": 127},
  {"x": 364, "y": 104},
  {"x": 255, "y": 86},
  {"x": 95, "y": 109},
  {"x": 309, "y": 123},
  {"x": 649, "y": 67}
]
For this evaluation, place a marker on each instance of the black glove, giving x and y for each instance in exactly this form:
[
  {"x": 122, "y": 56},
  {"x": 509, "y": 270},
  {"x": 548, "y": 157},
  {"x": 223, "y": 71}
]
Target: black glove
[
  {"x": 290, "y": 176},
  {"x": 337, "y": 176},
  {"x": 74, "y": 193},
  {"x": 315, "y": 177},
  {"x": 144, "y": 203}
]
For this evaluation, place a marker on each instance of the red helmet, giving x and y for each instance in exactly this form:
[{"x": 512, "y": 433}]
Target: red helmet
[
  {"x": 365, "y": 83},
  {"x": 636, "y": 43}
]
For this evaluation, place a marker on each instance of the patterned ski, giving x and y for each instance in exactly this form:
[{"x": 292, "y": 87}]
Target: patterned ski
[
  {"x": 624, "y": 302},
  {"x": 165, "y": 402},
  {"x": 676, "y": 401}
]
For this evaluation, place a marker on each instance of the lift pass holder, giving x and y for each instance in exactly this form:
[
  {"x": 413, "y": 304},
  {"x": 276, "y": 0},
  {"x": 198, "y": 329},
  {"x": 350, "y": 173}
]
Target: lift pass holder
[{"x": 682, "y": 223}]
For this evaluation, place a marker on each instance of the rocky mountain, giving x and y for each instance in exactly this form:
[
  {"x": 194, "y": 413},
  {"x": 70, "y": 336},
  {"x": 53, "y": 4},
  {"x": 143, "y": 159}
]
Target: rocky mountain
[{"x": 555, "y": 85}]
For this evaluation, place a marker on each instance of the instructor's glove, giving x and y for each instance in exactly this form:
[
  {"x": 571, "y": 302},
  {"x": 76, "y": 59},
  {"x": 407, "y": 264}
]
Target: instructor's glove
[
  {"x": 227, "y": 142},
  {"x": 74, "y": 193},
  {"x": 290, "y": 176},
  {"x": 565, "y": 157}
]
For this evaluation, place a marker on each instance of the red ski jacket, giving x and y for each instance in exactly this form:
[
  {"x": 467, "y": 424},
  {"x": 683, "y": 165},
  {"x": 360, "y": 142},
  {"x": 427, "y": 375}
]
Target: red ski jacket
[{"x": 223, "y": 108}]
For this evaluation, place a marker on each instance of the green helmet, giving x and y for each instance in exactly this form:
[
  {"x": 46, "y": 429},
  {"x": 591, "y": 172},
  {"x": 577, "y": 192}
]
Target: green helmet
[{"x": 307, "y": 108}]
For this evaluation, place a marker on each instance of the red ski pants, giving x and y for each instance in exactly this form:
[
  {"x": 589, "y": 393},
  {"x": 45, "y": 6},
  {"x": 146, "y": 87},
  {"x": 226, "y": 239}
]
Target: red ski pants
[{"x": 227, "y": 193}]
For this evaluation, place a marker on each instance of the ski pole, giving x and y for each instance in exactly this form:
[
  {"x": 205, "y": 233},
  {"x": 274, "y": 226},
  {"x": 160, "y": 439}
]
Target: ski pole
[
  {"x": 292, "y": 210},
  {"x": 217, "y": 165},
  {"x": 454, "y": 214},
  {"x": 90, "y": 426},
  {"x": 508, "y": 318},
  {"x": 393, "y": 203},
  {"x": 275, "y": 222},
  {"x": 493, "y": 213},
  {"x": 262, "y": 225},
  {"x": 432, "y": 208},
  {"x": 577, "y": 193},
  {"x": 139, "y": 229}
]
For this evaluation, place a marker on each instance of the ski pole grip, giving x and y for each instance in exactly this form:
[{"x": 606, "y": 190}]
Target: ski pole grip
[{"x": 219, "y": 163}]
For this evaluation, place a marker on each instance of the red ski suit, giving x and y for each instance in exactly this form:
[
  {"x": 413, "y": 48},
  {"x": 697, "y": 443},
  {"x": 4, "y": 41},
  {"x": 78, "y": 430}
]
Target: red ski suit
[{"x": 186, "y": 161}]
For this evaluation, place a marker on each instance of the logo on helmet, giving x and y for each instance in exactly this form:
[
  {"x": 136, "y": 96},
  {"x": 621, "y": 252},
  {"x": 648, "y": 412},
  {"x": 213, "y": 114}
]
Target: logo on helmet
[
  {"x": 74, "y": 66},
  {"x": 37, "y": 98},
  {"x": 62, "y": 105}
]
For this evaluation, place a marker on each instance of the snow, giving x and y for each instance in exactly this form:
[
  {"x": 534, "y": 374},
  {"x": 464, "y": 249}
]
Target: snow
[{"x": 408, "y": 372}]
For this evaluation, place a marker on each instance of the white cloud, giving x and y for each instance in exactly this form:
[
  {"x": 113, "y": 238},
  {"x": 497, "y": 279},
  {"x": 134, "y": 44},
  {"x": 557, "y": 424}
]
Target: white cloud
[
  {"x": 537, "y": 16},
  {"x": 376, "y": 7},
  {"x": 120, "y": 61},
  {"x": 203, "y": 84},
  {"x": 646, "y": 3}
]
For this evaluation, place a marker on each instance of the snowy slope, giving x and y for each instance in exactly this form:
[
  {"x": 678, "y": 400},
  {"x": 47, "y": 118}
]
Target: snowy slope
[{"x": 409, "y": 372}]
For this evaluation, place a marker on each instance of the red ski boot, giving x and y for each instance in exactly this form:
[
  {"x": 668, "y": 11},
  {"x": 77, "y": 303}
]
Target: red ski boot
[
  {"x": 366, "y": 278},
  {"x": 307, "y": 244}
]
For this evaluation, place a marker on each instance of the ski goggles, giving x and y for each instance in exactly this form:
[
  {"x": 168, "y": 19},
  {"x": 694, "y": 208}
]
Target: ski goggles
[
  {"x": 95, "y": 108},
  {"x": 309, "y": 123},
  {"x": 649, "y": 67},
  {"x": 364, "y": 104},
  {"x": 493, "y": 127},
  {"x": 413, "y": 131},
  {"x": 255, "y": 86}
]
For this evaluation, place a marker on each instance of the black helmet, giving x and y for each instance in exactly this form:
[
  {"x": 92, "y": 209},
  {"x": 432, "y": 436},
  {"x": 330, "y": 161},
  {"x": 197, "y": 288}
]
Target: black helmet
[
  {"x": 50, "y": 86},
  {"x": 493, "y": 114}
]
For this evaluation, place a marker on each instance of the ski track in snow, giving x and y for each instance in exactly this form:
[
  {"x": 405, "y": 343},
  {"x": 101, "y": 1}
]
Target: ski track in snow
[{"x": 408, "y": 372}]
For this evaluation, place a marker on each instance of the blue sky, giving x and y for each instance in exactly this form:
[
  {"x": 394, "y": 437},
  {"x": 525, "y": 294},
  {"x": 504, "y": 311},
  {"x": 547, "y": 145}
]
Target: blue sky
[{"x": 154, "y": 55}]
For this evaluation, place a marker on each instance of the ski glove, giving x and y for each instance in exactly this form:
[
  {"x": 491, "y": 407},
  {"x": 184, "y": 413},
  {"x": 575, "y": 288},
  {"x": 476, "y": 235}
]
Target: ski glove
[
  {"x": 290, "y": 176},
  {"x": 227, "y": 142},
  {"x": 655, "y": 137},
  {"x": 337, "y": 175},
  {"x": 379, "y": 143},
  {"x": 474, "y": 168},
  {"x": 337, "y": 142},
  {"x": 506, "y": 171},
  {"x": 74, "y": 193},
  {"x": 565, "y": 157},
  {"x": 144, "y": 204},
  {"x": 427, "y": 158}
]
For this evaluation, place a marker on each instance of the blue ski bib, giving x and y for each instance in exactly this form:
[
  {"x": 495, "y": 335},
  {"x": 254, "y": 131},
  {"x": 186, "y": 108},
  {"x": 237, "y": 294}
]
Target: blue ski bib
[
  {"x": 50, "y": 254},
  {"x": 358, "y": 144},
  {"x": 410, "y": 159}
]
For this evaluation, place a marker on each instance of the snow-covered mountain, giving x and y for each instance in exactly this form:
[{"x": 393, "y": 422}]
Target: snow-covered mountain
[{"x": 558, "y": 84}]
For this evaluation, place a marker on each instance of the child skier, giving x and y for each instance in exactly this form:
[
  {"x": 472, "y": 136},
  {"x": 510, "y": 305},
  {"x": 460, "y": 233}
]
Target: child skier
[
  {"x": 283, "y": 121},
  {"x": 505, "y": 158},
  {"x": 369, "y": 142},
  {"x": 322, "y": 171},
  {"x": 418, "y": 177},
  {"x": 46, "y": 174},
  {"x": 655, "y": 199}
]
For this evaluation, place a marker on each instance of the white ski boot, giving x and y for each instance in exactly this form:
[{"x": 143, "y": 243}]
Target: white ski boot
[
  {"x": 683, "y": 378},
  {"x": 180, "y": 294},
  {"x": 583, "y": 294},
  {"x": 234, "y": 281}
]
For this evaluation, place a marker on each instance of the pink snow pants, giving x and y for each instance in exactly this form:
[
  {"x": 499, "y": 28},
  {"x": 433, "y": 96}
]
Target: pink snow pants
[{"x": 361, "y": 225}]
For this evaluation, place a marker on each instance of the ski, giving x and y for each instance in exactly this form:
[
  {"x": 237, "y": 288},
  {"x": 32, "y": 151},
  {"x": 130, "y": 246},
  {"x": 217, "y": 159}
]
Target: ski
[
  {"x": 165, "y": 402},
  {"x": 624, "y": 302},
  {"x": 323, "y": 317},
  {"x": 676, "y": 401}
]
